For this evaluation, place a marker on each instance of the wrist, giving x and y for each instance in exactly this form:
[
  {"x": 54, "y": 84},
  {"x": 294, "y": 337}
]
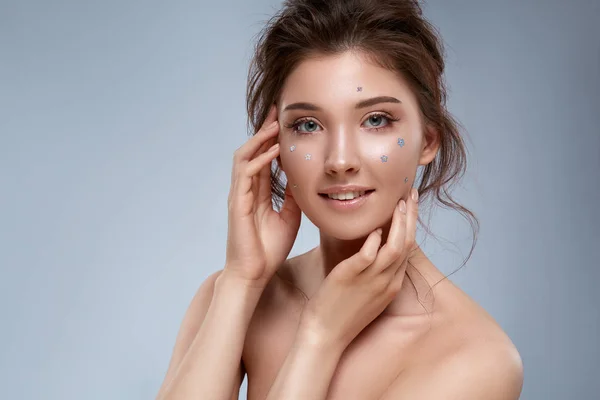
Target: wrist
[
  {"x": 233, "y": 279},
  {"x": 311, "y": 337},
  {"x": 230, "y": 286}
]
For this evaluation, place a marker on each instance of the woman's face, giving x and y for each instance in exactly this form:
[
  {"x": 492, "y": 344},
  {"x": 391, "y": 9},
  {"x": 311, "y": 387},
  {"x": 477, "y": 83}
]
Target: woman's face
[{"x": 345, "y": 121}]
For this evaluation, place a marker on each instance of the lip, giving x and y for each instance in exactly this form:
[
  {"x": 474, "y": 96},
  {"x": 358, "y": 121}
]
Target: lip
[
  {"x": 344, "y": 189},
  {"x": 346, "y": 205}
]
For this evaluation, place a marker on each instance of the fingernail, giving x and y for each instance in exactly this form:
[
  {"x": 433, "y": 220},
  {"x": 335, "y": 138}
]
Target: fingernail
[
  {"x": 403, "y": 206},
  {"x": 415, "y": 194},
  {"x": 274, "y": 147},
  {"x": 379, "y": 230}
]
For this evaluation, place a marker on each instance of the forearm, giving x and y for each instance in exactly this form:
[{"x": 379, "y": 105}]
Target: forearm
[
  {"x": 307, "y": 370},
  {"x": 208, "y": 369}
]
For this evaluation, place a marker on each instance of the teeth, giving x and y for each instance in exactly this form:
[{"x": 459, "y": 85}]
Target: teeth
[{"x": 345, "y": 196}]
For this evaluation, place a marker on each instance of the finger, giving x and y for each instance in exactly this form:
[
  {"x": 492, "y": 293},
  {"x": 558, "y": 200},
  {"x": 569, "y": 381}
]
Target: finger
[
  {"x": 290, "y": 211},
  {"x": 264, "y": 182},
  {"x": 398, "y": 278},
  {"x": 411, "y": 222},
  {"x": 247, "y": 182},
  {"x": 255, "y": 189},
  {"x": 245, "y": 176},
  {"x": 365, "y": 256},
  {"x": 256, "y": 143},
  {"x": 394, "y": 246},
  {"x": 268, "y": 130},
  {"x": 262, "y": 160},
  {"x": 412, "y": 216},
  {"x": 266, "y": 144},
  {"x": 257, "y": 180},
  {"x": 247, "y": 179}
]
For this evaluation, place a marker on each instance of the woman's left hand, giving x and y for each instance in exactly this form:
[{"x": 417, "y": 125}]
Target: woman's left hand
[{"x": 359, "y": 288}]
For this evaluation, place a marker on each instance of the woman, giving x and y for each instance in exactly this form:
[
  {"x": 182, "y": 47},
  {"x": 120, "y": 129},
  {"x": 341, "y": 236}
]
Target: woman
[{"x": 347, "y": 97}]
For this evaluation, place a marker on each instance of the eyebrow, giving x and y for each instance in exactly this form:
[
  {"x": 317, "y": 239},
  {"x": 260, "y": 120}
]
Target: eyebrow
[{"x": 361, "y": 104}]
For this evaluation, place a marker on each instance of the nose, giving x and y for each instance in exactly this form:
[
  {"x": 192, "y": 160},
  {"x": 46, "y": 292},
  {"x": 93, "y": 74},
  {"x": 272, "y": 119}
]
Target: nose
[{"x": 341, "y": 157}]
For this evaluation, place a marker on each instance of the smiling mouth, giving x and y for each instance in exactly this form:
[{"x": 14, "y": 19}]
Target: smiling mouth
[{"x": 350, "y": 195}]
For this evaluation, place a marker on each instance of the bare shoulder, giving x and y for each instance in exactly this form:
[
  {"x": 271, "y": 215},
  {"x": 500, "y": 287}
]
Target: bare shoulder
[
  {"x": 467, "y": 355},
  {"x": 479, "y": 370}
]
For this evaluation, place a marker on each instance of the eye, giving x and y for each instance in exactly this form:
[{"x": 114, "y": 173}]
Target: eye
[
  {"x": 311, "y": 125},
  {"x": 378, "y": 120}
]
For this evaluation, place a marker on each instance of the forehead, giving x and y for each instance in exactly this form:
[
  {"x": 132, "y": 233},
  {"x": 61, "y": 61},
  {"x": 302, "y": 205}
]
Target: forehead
[{"x": 335, "y": 78}]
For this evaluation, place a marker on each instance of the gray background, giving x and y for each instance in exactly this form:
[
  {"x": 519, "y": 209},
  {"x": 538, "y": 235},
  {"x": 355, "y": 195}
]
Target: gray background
[{"x": 117, "y": 127}]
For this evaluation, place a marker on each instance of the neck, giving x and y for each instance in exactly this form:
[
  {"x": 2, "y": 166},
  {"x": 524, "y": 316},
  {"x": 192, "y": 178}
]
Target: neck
[
  {"x": 332, "y": 251},
  {"x": 407, "y": 302}
]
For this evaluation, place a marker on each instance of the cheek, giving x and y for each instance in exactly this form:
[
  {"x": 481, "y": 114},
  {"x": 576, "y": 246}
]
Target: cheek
[
  {"x": 395, "y": 159},
  {"x": 299, "y": 160},
  {"x": 391, "y": 150}
]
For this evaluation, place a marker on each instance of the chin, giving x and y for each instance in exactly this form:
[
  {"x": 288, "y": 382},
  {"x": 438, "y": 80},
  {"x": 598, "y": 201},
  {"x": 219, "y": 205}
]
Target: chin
[
  {"x": 348, "y": 228},
  {"x": 348, "y": 224},
  {"x": 347, "y": 235}
]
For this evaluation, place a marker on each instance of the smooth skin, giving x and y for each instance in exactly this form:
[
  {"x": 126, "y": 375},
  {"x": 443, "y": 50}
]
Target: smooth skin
[
  {"x": 360, "y": 287},
  {"x": 350, "y": 298},
  {"x": 259, "y": 239},
  {"x": 206, "y": 361},
  {"x": 207, "y": 358}
]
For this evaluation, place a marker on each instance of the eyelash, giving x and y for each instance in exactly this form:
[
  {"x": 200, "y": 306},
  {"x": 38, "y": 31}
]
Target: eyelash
[{"x": 296, "y": 123}]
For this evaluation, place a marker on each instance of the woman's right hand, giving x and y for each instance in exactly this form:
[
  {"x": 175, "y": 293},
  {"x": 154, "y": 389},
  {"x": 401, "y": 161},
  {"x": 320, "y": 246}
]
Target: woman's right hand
[{"x": 259, "y": 238}]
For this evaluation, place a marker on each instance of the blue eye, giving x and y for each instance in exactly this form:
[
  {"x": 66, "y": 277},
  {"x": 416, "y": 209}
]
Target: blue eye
[
  {"x": 377, "y": 120},
  {"x": 309, "y": 124}
]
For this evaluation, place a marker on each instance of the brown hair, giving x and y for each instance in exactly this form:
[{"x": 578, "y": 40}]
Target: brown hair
[{"x": 392, "y": 33}]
